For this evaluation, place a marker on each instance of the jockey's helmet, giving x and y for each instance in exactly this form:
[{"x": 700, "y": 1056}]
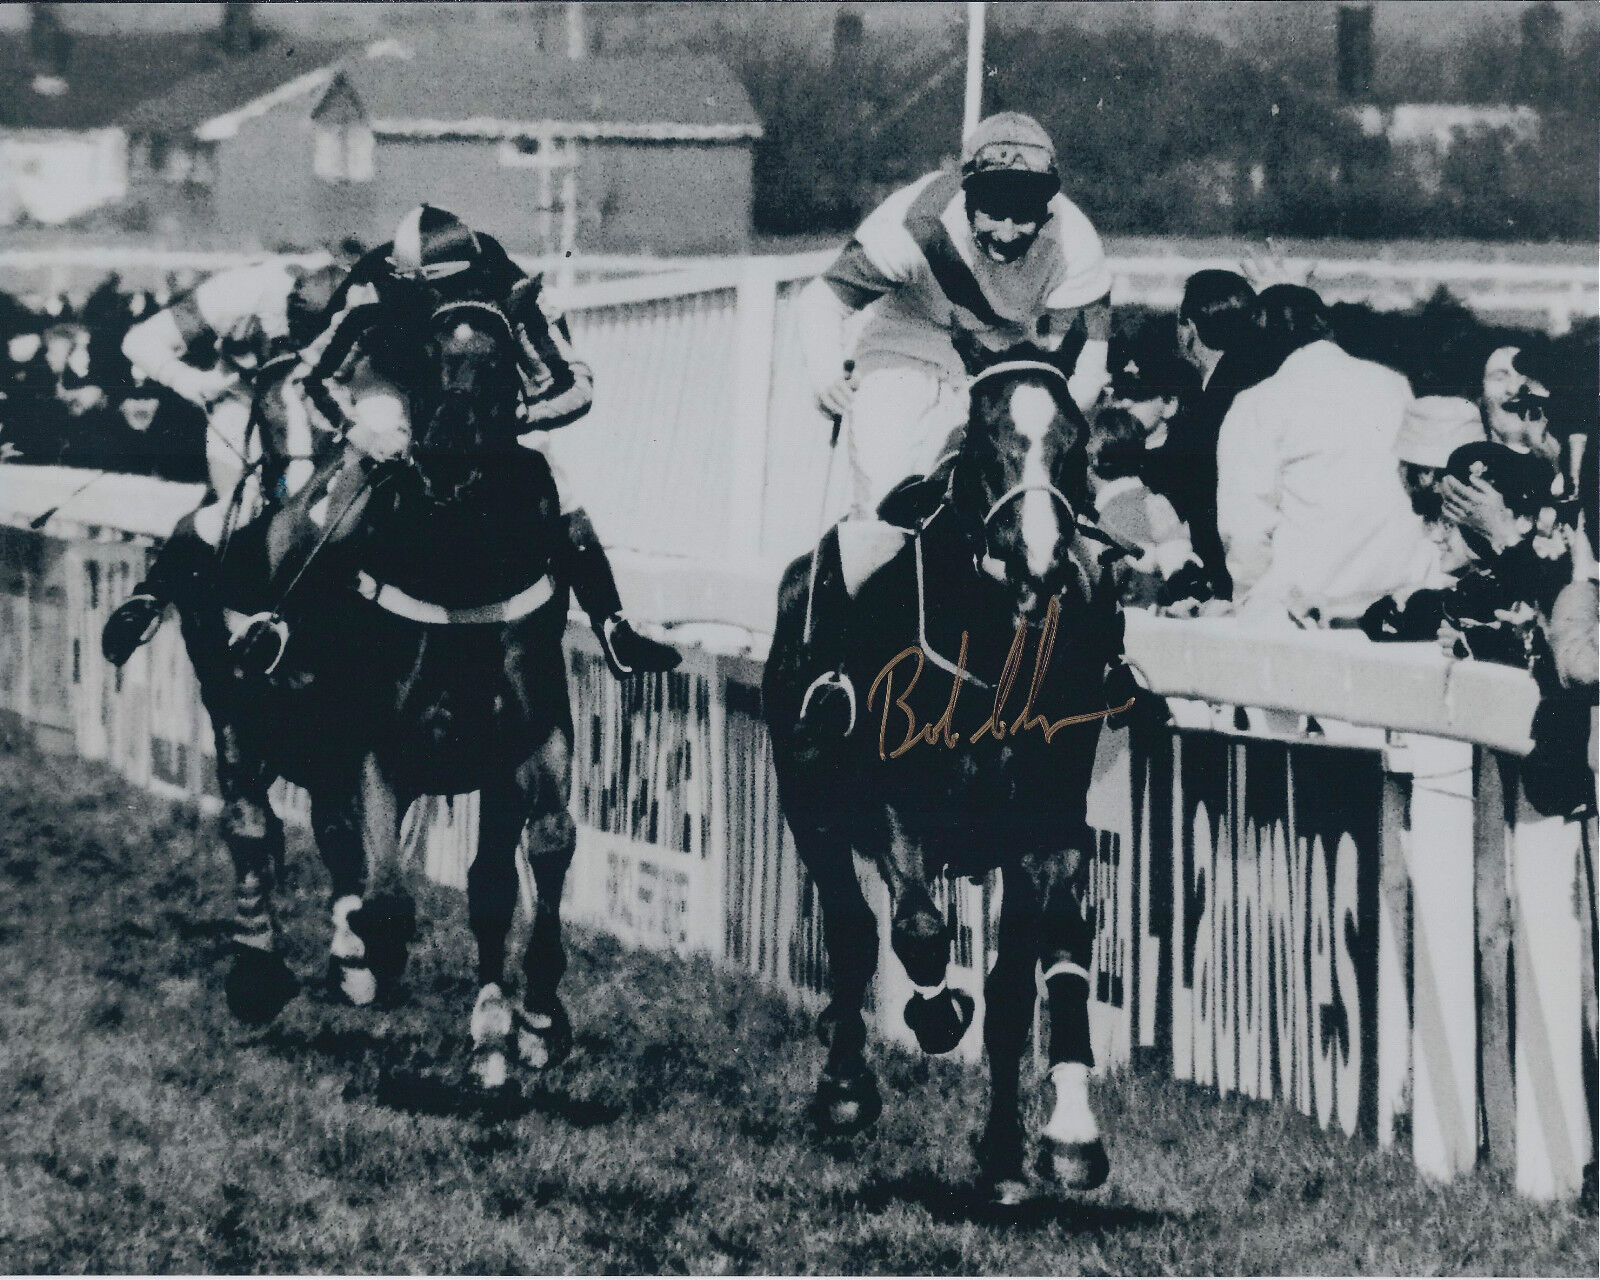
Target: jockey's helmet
[
  {"x": 432, "y": 243},
  {"x": 1010, "y": 153}
]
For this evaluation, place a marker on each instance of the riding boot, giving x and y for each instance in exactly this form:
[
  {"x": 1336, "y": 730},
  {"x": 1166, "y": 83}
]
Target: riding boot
[
  {"x": 582, "y": 561},
  {"x": 184, "y": 572},
  {"x": 828, "y": 708}
]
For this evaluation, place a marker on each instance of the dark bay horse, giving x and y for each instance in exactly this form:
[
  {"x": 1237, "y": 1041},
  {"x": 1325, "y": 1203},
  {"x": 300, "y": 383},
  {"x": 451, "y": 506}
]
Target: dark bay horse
[
  {"x": 424, "y": 657},
  {"x": 981, "y": 653}
]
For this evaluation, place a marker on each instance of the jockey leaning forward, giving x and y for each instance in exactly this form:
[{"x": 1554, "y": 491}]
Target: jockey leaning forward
[
  {"x": 434, "y": 259},
  {"x": 991, "y": 257},
  {"x": 209, "y": 345}
]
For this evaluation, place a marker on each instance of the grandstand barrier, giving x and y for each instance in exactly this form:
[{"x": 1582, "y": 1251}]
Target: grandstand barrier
[
  {"x": 1548, "y": 294},
  {"x": 1321, "y": 887}
]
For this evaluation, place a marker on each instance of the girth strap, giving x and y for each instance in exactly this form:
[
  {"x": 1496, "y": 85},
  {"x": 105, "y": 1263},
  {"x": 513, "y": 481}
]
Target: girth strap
[{"x": 393, "y": 600}]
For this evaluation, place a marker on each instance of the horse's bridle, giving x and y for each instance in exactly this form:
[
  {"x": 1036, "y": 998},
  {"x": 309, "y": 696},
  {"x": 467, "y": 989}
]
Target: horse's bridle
[
  {"x": 443, "y": 312},
  {"x": 1018, "y": 490},
  {"x": 445, "y": 309}
]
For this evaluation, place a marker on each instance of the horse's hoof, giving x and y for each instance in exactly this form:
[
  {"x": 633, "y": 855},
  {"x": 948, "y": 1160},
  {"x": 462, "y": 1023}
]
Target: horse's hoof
[
  {"x": 1000, "y": 1159},
  {"x": 491, "y": 1031},
  {"x": 1077, "y": 1166},
  {"x": 490, "y": 1071},
  {"x": 386, "y": 923},
  {"x": 352, "y": 981},
  {"x": 544, "y": 1037},
  {"x": 847, "y": 1104},
  {"x": 940, "y": 1021},
  {"x": 258, "y": 986}
]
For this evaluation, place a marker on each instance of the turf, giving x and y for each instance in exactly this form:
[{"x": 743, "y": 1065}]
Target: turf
[{"x": 141, "y": 1132}]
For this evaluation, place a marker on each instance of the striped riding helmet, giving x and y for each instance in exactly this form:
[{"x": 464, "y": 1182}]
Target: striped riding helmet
[
  {"x": 433, "y": 243},
  {"x": 1012, "y": 144}
]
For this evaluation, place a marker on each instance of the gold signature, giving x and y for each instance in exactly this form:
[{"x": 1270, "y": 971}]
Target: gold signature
[{"x": 939, "y": 732}]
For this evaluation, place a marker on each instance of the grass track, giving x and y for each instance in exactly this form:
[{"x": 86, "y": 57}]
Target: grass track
[{"x": 139, "y": 1133}]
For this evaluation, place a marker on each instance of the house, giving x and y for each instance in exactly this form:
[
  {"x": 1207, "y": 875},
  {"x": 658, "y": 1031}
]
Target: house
[
  {"x": 177, "y": 149},
  {"x": 62, "y": 93},
  {"x": 547, "y": 152}
]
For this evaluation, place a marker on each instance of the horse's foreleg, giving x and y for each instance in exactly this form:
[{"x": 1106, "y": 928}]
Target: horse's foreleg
[
  {"x": 374, "y": 918},
  {"x": 1074, "y": 1152},
  {"x": 1008, "y": 994},
  {"x": 937, "y": 1014},
  {"x": 259, "y": 983},
  {"x": 491, "y": 904},
  {"x": 544, "y": 786},
  {"x": 847, "y": 1094}
]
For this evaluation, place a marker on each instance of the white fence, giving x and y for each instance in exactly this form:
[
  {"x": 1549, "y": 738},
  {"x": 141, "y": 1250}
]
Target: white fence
[{"x": 1551, "y": 295}]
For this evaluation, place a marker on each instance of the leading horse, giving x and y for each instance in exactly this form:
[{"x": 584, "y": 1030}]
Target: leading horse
[
  {"x": 424, "y": 658},
  {"x": 990, "y": 651}
]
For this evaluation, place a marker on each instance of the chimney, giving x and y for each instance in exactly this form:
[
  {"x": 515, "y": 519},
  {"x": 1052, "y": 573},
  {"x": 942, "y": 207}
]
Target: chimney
[
  {"x": 50, "y": 47},
  {"x": 237, "y": 35},
  {"x": 848, "y": 29},
  {"x": 1355, "y": 52},
  {"x": 1539, "y": 58}
]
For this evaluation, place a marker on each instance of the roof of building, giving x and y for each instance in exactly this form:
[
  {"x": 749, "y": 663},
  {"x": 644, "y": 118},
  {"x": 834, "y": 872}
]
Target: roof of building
[
  {"x": 280, "y": 65},
  {"x": 482, "y": 90},
  {"x": 103, "y": 75}
]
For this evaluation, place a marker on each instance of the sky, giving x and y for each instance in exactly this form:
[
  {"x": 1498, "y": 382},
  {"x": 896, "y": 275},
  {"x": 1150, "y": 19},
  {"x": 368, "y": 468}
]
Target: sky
[{"x": 1429, "y": 22}]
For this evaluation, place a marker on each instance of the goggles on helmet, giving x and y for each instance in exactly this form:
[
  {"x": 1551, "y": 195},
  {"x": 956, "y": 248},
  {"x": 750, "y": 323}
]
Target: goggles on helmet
[{"x": 1011, "y": 195}]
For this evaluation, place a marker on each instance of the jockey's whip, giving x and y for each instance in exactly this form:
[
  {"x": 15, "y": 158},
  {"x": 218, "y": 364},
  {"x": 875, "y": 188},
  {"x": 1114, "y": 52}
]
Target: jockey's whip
[
  {"x": 43, "y": 518},
  {"x": 822, "y": 513}
]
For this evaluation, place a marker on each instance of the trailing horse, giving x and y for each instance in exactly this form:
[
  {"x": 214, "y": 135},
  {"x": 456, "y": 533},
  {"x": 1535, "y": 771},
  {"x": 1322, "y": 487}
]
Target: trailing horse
[
  {"x": 987, "y": 651},
  {"x": 423, "y": 657}
]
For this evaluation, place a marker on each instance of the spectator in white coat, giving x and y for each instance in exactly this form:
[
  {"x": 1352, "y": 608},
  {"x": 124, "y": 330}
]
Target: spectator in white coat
[{"x": 1309, "y": 504}]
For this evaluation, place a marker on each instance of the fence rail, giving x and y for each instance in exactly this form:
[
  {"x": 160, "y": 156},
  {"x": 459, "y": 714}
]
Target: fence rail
[{"x": 1553, "y": 294}]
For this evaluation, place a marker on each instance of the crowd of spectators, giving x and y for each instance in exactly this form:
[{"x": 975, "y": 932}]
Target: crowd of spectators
[
  {"x": 1421, "y": 476},
  {"x": 69, "y": 397}
]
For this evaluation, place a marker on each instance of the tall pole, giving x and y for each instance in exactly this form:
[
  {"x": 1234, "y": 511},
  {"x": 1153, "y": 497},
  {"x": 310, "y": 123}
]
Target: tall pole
[
  {"x": 974, "y": 100},
  {"x": 575, "y": 34}
]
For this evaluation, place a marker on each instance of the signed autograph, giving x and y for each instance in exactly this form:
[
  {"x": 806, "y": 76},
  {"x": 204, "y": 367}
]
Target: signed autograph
[{"x": 940, "y": 733}]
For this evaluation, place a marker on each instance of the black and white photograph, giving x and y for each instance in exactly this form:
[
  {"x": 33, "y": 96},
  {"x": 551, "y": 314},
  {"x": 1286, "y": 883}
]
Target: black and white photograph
[{"x": 675, "y": 638}]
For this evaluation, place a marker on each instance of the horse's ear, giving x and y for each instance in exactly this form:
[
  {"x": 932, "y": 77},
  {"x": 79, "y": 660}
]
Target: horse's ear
[{"x": 973, "y": 355}]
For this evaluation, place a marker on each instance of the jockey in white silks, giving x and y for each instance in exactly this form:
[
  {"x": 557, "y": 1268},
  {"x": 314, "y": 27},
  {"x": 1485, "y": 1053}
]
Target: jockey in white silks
[
  {"x": 208, "y": 345},
  {"x": 995, "y": 253}
]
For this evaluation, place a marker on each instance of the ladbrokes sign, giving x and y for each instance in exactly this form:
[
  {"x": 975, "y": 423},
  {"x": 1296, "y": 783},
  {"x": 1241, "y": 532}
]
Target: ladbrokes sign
[{"x": 1274, "y": 924}]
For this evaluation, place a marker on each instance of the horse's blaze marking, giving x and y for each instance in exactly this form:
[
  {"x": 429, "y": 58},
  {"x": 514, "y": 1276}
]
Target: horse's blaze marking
[{"x": 1033, "y": 412}]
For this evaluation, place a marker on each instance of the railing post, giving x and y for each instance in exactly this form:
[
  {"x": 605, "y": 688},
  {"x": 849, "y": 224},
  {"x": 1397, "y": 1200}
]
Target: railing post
[
  {"x": 752, "y": 393},
  {"x": 1394, "y": 949},
  {"x": 1439, "y": 854},
  {"x": 1552, "y": 1110}
]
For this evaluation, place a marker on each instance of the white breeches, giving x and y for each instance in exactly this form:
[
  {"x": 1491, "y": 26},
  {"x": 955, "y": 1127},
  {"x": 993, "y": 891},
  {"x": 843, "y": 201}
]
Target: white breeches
[
  {"x": 899, "y": 423},
  {"x": 227, "y": 443}
]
